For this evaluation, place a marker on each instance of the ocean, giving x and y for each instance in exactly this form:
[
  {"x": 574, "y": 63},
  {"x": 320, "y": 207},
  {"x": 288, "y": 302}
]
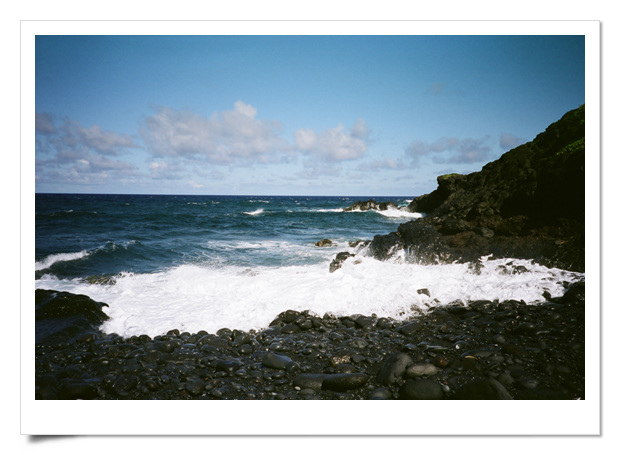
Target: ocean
[{"x": 163, "y": 262}]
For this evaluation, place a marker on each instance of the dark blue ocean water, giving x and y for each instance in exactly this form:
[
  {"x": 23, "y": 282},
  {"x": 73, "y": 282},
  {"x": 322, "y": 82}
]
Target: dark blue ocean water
[{"x": 81, "y": 235}]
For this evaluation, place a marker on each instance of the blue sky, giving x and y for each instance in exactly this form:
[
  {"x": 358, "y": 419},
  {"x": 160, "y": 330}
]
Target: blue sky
[{"x": 299, "y": 115}]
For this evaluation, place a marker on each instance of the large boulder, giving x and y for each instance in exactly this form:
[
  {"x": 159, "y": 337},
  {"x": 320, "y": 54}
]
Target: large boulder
[{"x": 63, "y": 316}]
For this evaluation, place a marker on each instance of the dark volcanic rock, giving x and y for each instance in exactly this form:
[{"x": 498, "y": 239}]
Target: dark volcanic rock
[
  {"x": 338, "y": 260},
  {"x": 530, "y": 204},
  {"x": 280, "y": 362},
  {"x": 309, "y": 381},
  {"x": 341, "y": 382},
  {"x": 421, "y": 389},
  {"x": 62, "y": 316},
  {"x": 394, "y": 368},
  {"x": 483, "y": 389},
  {"x": 371, "y": 204},
  {"x": 324, "y": 242}
]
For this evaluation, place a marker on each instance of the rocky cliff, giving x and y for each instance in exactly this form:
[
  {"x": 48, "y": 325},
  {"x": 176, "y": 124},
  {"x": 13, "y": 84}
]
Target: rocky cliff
[{"x": 530, "y": 203}]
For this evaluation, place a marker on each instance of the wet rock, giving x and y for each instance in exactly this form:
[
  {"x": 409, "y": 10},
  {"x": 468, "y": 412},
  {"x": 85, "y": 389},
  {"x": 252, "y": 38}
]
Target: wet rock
[
  {"x": 228, "y": 366},
  {"x": 309, "y": 381},
  {"x": 77, "y": 390},
  {"x": 410, "y": 328},
  {"x": 513, "y": 349},
  {"x": 324, "y": 242},
  {"x": 421, "y": 389},
  {"x": 212, "y": 340},
  {"x": 61, "y": 317},
  {"x": 371, "y": 204},
  {"x": 239, "y": 338},
  {"x": 341, "y": 382},
  {"x": 526, "y": 328},
  {"x": 290, "y": 328},
  {"x": 290, "y": 316},
  {"x": 345, "y": 368},
  {"x": 483, "y": 389},
  {"x": 338, "y": 260},
  {"x": 357, "y": 243},
  {"x": 364, "y": 322},
  {"x": 425, "y": 369},
  {"x": 279, "y": 362},
  {"x": 358, "y": 343},
  {"x": 195, "y": 386},
  {"x": 381, "y": 393},
  {"x": 424, "y": 292},
  {"x": 124, "y": 384},
  {"x": 393, "y": 369}
]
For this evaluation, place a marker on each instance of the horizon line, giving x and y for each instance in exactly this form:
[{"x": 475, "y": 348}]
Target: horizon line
[{"x": 221, "y": 195}]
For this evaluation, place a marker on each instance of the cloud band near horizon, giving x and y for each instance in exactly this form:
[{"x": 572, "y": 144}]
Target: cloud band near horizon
[{"x": 183, "y": 145}]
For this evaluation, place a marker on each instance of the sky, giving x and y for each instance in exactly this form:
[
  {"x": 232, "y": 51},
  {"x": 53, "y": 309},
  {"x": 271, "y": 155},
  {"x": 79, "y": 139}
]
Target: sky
[{"x": 291, "y": 115}]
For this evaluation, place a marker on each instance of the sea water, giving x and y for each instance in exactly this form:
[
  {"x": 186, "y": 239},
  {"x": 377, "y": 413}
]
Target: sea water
[{"x": 206, "y": 262}]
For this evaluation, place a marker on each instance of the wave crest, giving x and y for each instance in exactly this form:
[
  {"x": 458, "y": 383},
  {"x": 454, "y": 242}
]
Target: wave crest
[
  {"x": 60, "y": 257},
  {"x": 254, "y": 212}
]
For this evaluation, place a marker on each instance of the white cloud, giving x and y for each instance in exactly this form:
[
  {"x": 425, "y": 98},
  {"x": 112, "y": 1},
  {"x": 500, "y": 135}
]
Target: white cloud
[
  {"x": 334, "y": 144},
  {"x": 43, "y": 123},
  {"x": 451, "y": 150},
  {"x": 190, "y": 148},
  {"x": 306, "y": 139},
  {"x": 74, "y": 154},
  {"x": 317, "y": 169},
  {"x": 77, "y": 137},
  {"x": 164, "y": 170},
  {"x": 509, "y": 141},
  {"x": 245, "y": 109},
  {"x": 72, "y": 136},
  {"x": 384, "y": 164},
  {"x": 229, "y": 137}
]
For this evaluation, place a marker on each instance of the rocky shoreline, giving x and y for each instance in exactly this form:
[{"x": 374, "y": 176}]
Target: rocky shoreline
[{"x": 478, "y": 350}]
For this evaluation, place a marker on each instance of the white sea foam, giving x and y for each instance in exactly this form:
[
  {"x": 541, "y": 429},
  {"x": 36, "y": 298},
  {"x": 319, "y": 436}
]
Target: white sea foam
[
  {"x": 398, "y": 213},
  {"x": 255, "y": 212},
  {"x": 193, "y": 298},
  {"x": 393, "y": 213},
  {"x": 61, "y": 257}
]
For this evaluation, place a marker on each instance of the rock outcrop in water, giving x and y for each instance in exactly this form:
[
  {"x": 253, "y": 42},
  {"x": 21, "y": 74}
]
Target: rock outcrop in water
[
  {"x": 324, "y": 242},
  {"x": 371, "y": 204},
  {"x": 529, "y": 204},
  {"x": 62, "y": 316}
]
